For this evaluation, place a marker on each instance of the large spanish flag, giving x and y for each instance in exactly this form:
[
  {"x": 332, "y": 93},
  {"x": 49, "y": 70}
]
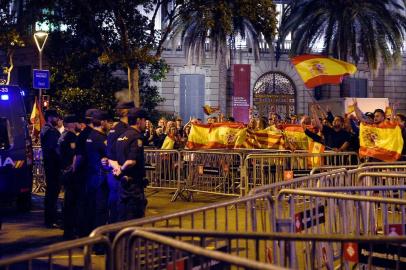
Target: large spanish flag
[
  {"x": 317, "y": 70},
  {"x": 295, "y": 135},
  {"x": 214, "y": 136},
  {"x": 37, "y": 118},
  {"x": 383, "y": 141}
]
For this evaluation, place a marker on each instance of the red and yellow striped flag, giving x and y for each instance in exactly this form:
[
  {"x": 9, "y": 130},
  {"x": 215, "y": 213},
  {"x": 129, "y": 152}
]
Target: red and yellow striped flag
[
  {"x": 261, "y": 139},
  {"x": 316, "y": 70},
  {"x": 383, "y": 141},
  {"x": 37, "y": 118}
]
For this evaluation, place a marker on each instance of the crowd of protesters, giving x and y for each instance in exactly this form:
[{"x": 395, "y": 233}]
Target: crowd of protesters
[{"x": 337, "y": 132}]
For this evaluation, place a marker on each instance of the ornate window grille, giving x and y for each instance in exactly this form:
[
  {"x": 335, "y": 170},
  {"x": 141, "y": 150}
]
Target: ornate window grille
[{"x": 274, "y": 92}]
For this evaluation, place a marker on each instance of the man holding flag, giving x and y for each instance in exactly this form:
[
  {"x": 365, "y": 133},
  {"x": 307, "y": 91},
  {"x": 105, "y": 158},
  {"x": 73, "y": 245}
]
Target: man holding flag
[{"x": 381, "y": 139}]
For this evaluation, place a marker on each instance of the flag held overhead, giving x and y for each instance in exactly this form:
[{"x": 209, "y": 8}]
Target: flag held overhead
[{"x": 316, "y": 70}]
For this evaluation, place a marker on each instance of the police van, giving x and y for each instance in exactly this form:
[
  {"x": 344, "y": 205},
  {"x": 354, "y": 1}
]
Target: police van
[{"x": 15, "y": 149}]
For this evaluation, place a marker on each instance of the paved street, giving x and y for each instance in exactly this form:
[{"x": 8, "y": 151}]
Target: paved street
[{"x": 25, "y": 231}]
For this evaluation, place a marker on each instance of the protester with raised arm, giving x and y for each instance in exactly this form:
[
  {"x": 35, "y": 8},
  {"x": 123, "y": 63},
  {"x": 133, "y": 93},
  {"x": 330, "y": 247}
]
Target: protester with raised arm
[{"x": 335, "y": 137}]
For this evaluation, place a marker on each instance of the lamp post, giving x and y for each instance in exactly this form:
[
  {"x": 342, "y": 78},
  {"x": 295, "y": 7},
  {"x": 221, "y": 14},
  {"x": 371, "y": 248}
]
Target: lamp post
[{"x": 40, "y": 38}]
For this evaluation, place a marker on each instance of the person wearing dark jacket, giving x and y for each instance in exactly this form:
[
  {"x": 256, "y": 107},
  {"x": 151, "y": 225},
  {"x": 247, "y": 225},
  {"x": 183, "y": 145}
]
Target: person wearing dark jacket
[
  {"x": 131, "y": 170},
  {"x": 67, "y": 146},
  {"x": 96, "y": 178},
  {"x": 79, "y": 171},
  {"x": 335, "y": 137},
  {"x": 115, "y": 132},
  {"x": 49, "y": 143}
]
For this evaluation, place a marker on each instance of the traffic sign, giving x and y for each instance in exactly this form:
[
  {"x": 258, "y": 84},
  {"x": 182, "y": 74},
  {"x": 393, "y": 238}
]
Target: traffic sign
[{"x": 40, "y": 79}]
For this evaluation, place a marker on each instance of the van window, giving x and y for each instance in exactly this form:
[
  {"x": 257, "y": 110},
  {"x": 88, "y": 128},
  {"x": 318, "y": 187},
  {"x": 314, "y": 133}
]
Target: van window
[{"x": 6, "y": 139}]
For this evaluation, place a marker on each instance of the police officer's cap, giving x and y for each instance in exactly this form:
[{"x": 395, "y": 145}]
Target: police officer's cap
[
  {"x": 137, "y": 113},
  {"x": 125, "y": 105},
  {"x": 89, "y": 113},
  {"x": 70, "y": 118},
  {"x": 51, "y": 113},
  {"x": 100, "y": 115}
]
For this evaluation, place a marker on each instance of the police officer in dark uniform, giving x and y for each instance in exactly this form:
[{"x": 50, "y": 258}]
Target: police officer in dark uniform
[
  {"x": 96, "y": 179},
  {"x": 118, "y": 129},
  {"x": 79, "y": 171},
  {"x": 49, "y": 143},
  {"x": 130, "y": 157},
  {"x": 67, "y": 146}
]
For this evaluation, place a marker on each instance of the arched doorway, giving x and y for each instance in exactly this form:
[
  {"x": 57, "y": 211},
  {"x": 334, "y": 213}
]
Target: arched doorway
[{"x": 274, "y": 92}]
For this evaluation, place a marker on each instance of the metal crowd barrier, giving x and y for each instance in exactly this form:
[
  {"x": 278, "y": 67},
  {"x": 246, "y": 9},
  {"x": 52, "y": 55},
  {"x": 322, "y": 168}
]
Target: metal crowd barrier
[
  {"x": 382, "y": 178},
  {"x": 62, "y": 255},
  {"x": 162, "y": 168},
  {"x": 147, "y": 250},
  {"x": 229, "y": 173},
  {"x": 354, "y": 179},
  {"x": 38, "y": 184},
  {"x": 362, "y": 165},
  {"x": 244, "y": 214},
  {"x": 215, "y": 172},
  {"x": 366, "y": 252},
  {"x": 334, "y": 178},
  {"x": 256, "y": 213},
  {"x": 335, "y": 212},
  {"x": 341, "y": 178},
  {"x": 240, "y": 215},
  {"x": 260, "y": 170},
  {"x": 314, "y": 212}
]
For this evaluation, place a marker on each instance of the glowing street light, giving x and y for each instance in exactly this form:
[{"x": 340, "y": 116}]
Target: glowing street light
[{"x": 40, "y": 38}]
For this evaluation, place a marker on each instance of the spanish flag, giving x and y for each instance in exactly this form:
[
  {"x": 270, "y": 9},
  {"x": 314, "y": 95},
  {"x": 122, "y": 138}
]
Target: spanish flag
[
  {"x": 214, "y": 136},
  {"x": 316, "y": 70},
  {"x": 383, "y": 141},
  {"x": 208, "y": 110},
  {"x": 37, "y": 118},
  {"x": 315, "y": 148},
  {"x": 295, "y": 135},
  {"x": 198, "y": 137},
  {"x": 168, "y": 143}
]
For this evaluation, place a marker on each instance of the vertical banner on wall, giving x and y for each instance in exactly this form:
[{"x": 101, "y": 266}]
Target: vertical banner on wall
[{"x": 241, "y": 97}]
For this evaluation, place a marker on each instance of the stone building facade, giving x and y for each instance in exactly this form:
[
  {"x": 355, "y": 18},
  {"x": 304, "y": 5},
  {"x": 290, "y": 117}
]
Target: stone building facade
[{"x": 390, "y": 83}]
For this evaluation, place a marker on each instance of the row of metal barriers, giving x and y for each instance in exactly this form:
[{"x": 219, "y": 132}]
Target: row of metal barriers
[
  {"x": 228, "y": 173},
  {"x": 233, "y": 173},
  {"x": 341, "y": 219}
]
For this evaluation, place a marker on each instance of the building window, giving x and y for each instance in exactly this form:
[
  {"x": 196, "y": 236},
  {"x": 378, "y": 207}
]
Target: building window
[
  {"x": 192, "y": 91},
  {"x": 354, "y": 87},
  {"x": 274, "y": 92}
]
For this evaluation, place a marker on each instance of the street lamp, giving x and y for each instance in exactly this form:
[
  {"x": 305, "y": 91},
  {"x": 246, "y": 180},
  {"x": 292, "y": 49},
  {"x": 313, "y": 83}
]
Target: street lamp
[{"x": 40, "y": 38}]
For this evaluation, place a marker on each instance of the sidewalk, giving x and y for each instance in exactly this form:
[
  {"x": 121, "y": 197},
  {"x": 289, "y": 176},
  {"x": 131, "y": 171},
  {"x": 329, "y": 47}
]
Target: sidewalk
[{"x": 25, "y": 231}]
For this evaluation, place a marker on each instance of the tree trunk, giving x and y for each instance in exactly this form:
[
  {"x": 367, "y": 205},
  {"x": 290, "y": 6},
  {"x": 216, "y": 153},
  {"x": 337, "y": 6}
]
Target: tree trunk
[
  {"x": 133, "y": 85},
  {"x": 11, "y": 66}
]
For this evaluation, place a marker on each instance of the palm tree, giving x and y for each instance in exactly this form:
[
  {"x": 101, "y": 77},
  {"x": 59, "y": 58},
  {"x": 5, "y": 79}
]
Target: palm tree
[
  {"x": 220, "y": 23},
  {"x": 372, "y": 29}
]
